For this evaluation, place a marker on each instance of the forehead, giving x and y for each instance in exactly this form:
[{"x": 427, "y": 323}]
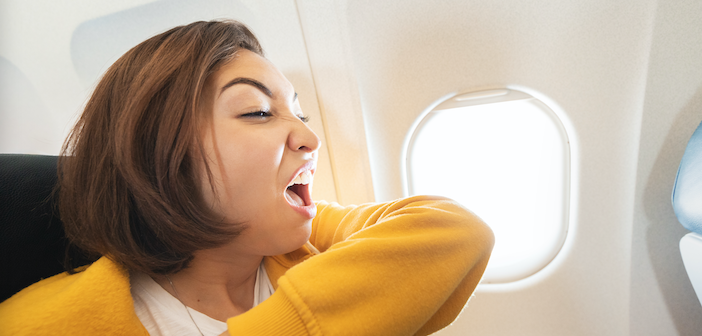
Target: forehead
[{"x": 247, "y": 64}]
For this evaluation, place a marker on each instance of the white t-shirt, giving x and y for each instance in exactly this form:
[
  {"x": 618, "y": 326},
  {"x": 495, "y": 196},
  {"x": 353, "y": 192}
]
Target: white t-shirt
[{"x": 162, "y": 314}]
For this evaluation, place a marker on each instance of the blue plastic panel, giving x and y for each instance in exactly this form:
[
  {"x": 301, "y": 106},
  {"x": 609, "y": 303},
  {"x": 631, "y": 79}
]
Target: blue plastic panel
[{"x": 687, "y": 191}]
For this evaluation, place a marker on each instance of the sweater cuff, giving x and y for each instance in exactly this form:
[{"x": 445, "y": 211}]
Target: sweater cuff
[{"x": 274, "y": 316}]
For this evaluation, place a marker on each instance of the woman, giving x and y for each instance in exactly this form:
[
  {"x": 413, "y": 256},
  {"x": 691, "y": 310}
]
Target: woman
[{"x": 190, "y": 173}]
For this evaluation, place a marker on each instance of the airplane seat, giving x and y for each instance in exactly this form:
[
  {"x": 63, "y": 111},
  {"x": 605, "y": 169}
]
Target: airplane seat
[
  {"x": 32, "y": 240},
  {"x": 687, "y": 204}
]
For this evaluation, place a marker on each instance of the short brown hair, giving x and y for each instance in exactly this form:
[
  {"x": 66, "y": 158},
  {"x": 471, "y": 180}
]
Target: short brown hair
[{"x": 130, "y": 170}]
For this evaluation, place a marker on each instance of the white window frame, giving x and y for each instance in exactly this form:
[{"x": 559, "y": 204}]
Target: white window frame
[{"x": 515, "y": 272}]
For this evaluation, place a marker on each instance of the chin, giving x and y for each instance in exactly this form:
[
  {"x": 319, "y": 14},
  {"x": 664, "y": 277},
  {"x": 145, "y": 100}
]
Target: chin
[{"x": 296, "y": 240}]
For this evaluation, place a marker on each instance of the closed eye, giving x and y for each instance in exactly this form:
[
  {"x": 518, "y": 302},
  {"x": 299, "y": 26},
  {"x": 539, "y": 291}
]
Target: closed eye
[
  {"x": 258, "y": 114},
  {"x": 304, "y": 119}
]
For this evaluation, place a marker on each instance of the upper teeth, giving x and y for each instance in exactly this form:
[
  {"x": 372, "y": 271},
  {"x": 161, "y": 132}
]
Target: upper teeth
[{"x": 304, "y": 178}]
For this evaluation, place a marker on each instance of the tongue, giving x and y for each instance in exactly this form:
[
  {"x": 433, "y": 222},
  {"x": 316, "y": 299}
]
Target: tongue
[{"x": 294, "y": 198}]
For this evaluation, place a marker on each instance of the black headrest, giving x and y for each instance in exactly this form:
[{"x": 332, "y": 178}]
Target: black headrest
[{"x": 32, "y": 239}]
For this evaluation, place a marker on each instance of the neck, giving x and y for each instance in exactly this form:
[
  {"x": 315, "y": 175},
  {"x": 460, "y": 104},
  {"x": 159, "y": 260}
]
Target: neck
[{"x": 218, "y": 282}]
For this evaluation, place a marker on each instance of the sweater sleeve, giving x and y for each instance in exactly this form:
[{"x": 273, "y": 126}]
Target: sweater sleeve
[{"x": 401, "y": 268}]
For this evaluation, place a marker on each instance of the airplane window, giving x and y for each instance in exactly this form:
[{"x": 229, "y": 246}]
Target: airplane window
[{"x": 505, "y": 155}]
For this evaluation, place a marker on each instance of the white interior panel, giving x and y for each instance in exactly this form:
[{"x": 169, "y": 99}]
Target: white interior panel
[
  {"x": 338, "y": 99},
  {"x": 691, "y": 252}
]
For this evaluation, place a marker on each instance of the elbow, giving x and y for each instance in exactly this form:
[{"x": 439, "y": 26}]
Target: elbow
[
  {"x": 469, "y": 231},
  {"x": 478, "y": 237}
]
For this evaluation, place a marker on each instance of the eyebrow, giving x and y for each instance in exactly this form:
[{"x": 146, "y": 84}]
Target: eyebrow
[
  {"x": 249, "y": 81},
  {"x": 252, "y": 82}
]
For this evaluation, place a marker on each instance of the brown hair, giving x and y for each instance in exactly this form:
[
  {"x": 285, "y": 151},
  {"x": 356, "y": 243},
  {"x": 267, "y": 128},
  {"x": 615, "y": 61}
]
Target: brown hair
[{"x": 130, "y": 170}]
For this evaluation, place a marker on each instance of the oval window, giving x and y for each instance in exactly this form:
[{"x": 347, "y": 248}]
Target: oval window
[{"x": 504, "y": 155}]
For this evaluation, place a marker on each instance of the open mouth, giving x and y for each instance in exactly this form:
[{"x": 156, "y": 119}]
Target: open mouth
[{"x": 298, "y": 191}]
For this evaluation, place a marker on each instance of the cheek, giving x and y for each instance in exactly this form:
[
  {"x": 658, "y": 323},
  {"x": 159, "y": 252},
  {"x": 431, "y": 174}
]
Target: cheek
[
  {"x": 248, "y": 172},
  {"x": 248, "y": 161}
]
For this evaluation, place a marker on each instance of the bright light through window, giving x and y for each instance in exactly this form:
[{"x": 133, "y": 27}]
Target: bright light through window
[{"x": 505, "y": 156}]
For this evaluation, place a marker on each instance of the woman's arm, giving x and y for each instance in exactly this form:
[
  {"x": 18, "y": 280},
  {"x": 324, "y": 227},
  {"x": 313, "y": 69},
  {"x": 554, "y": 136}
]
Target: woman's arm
[{"x": 400, "y": 268}]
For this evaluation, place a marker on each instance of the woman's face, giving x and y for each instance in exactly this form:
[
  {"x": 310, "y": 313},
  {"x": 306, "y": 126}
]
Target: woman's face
[{"x": 257, "y": 144}]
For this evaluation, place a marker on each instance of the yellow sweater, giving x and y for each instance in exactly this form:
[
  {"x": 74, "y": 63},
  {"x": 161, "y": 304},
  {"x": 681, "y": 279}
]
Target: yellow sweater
[{"x": 401, "y": 268}]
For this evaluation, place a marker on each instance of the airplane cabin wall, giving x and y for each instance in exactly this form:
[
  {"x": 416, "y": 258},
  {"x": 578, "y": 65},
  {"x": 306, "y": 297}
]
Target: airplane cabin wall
[
  {"x": 607, "y": 65},
  {"x": 590, "y": 58},
  {"x": 625, "y": 77}
]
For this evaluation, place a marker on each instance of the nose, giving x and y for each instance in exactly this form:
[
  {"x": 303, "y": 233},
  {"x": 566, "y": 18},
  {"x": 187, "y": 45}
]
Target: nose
[{"x": 302, "y": 138}]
